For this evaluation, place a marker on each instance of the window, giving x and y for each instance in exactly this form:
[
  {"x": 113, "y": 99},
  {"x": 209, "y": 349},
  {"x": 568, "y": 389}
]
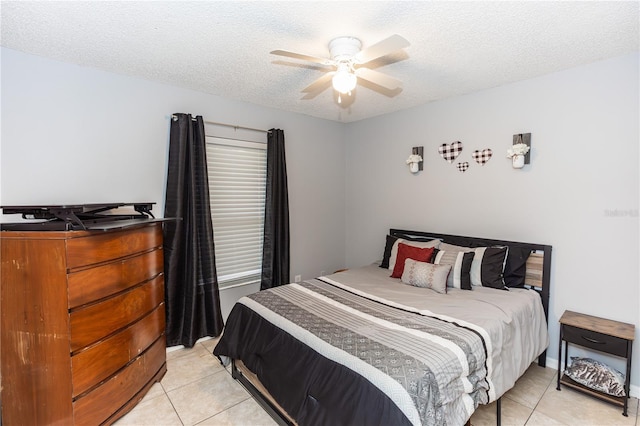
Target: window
[{"x": 237, "y": 177}]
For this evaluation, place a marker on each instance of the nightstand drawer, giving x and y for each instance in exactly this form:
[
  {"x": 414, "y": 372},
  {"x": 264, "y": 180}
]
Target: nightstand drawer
[{"x": 594, "y": 340}]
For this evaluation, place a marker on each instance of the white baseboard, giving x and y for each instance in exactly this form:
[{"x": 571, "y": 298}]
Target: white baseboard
[{"x": 634, "y": 390}]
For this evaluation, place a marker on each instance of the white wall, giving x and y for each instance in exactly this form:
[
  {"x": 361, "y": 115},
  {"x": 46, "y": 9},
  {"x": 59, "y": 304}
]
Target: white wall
[
  {"x": 584, "y": 167},
  {"x": 78, "y": 135}
]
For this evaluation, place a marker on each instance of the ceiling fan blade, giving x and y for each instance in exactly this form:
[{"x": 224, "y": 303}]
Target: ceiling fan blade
[
  {"x": 310, "y": 95},
  {"x": 382, "y": 48},
  {"x": 379, "y": 78},
  {"x": 320, "y": 84},
  {"x": 323, "y": 61}
]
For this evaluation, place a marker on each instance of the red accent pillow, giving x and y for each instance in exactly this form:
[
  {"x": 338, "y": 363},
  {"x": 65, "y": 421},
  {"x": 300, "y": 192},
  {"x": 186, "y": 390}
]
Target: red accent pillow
[{"x": 410, "y": 252}]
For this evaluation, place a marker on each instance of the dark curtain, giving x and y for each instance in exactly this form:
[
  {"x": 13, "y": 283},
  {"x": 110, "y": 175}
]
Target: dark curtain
[
  {"x": 275, "y": 251},
  {"x": 191, "y": 285}
]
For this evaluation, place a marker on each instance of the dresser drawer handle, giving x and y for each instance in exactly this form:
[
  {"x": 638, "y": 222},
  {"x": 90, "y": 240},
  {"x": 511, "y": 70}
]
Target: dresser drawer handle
[{"x": 593, "y": 340}]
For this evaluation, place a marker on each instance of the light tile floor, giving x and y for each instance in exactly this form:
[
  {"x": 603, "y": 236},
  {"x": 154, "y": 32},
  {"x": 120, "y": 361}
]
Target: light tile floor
[{"x": 197, "y": 390}]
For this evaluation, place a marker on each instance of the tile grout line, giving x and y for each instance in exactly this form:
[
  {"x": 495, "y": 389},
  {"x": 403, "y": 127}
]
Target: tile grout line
[
  {"x": 553, "y": 378},
  {"x": 172, "y": 405},
  {"x": 220, "y": 412},
  {"x": 192, "y": 382}
]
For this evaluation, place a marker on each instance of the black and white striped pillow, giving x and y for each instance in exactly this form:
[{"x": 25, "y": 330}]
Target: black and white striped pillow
[
  {"x": 460, "y": 262},
  {"x": 487, "y": 269}
]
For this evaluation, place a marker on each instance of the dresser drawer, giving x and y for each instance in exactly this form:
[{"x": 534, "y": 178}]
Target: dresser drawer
[
  {"x": 100, "y": 361},
  {"x": 103, "y": 247},
  {"x": 93, "y": 323},
  {"x": 594, "y": 340},
  {"x": 89, "y": 285},
  {"x": 98, "y": 405}
]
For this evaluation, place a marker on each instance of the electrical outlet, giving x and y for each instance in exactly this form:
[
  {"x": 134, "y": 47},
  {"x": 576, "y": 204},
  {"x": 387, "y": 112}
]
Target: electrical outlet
[{"x": 298, "y": 278}]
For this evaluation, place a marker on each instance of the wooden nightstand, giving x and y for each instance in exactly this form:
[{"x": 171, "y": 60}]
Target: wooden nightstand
[{"x": 603, "y": 335}]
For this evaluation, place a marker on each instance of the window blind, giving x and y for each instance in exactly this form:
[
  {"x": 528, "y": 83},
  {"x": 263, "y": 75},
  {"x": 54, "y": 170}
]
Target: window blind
[{"x": 237, "y": 176}]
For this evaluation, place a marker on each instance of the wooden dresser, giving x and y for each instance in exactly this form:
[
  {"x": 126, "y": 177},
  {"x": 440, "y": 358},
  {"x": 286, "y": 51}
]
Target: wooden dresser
[{"x": 83, "y": 323}]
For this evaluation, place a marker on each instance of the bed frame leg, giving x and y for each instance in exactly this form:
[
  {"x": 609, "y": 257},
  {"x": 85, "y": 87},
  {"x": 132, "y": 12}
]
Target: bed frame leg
[
  {"x": 275, "y": 414},
  {"x": 542, "y": 359},
  {"x": 498, "y": 413},
  {"x": 234, "y": 370}
]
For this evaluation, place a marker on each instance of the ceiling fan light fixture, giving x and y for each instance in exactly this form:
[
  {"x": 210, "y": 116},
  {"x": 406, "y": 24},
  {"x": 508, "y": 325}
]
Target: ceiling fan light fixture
[
  {"x": 347, "y": 54},
  {"x": 344, "y": 81}
]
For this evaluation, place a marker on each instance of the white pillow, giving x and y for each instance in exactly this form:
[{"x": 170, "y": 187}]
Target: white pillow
[
  {"x": 394, "y": 250},
  {"x": 426, "y": 275},
  {"x": 596, "y": 375}
]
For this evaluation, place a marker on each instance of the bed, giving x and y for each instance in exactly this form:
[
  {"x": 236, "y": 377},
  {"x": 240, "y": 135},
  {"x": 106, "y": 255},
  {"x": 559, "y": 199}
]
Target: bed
[{"x": 461, "y": 321}]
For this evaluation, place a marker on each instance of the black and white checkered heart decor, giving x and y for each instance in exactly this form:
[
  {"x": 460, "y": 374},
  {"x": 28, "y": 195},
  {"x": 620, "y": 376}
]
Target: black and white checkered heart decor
[
  {"x": 463, "y": 166},
  {"x": 483, "y": 156},
  {"x": 450, "y": 151}
]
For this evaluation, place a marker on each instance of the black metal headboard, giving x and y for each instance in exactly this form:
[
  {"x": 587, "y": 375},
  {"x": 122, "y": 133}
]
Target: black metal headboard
[{"x": 540, "y": 261}]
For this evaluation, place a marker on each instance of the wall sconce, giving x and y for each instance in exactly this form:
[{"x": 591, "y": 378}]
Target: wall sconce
[
  {"x": 415, "y": 160},
  {"x": 520, "y": 151}
]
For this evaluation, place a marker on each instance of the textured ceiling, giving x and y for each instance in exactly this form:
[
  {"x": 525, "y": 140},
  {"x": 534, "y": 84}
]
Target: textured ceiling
[{"x": 222, "y": 48}]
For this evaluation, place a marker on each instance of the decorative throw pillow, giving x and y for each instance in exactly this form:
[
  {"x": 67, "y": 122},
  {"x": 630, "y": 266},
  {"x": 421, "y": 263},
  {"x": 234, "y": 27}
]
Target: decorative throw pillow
[
  {"x": 426, "y": 275},
  {"x": 487, "y": 269},
  {"x": 596, "y": 375},
  {"x": 450, "y": 257},
  {"x": 515, "y": 268},
  {"x": 410, "y": 237},
  {"x": 453, "y": 247},
  {"x": 460, "y": 259},
  {"x": 405, "y": 252},
  {"x": 387, "y": 251},
  {"x": 394, "y": 249}
]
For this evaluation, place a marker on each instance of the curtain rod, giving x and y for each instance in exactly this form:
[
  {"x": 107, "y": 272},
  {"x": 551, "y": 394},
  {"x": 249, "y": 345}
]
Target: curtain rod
[{"x": 236, "y": 127}]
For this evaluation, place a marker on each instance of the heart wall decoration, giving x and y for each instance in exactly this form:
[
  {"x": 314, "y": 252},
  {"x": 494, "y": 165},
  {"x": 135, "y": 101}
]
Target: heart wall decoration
[
  {"x": 463, "y": 166},
  {"x": 450, "y": 151},
  {"x": 483, "y": 156}
]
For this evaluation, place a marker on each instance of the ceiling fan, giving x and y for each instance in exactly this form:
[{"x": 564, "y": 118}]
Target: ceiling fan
[{"x": 349, "y": 64}]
